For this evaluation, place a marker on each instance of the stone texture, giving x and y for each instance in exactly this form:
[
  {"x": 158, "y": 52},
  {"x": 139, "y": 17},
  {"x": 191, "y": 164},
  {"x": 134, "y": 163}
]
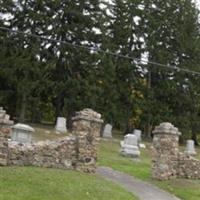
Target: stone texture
[
  {"x": 168, "y": 162},
  {"x": 78, "y": 151},
  {"x": 5, "y": 119},
  {"x": 87, "y": 126},
  {"x": 4, "y": 136},
  {"x": 57, "y": 154},
  {"x": 189, "y": 167}
]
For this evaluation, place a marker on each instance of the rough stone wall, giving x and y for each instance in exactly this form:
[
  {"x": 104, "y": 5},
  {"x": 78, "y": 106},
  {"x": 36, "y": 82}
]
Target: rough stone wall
[
  {"x": 78, "y": 151},
  {"x": 188, "y": 167},
  {"x": 56, "y": 154},
  {"x": 168, "y": 162}
]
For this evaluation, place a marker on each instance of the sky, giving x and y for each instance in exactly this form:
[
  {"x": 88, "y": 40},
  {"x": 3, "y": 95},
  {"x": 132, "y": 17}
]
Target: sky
[{"x": 198, "y": 2}]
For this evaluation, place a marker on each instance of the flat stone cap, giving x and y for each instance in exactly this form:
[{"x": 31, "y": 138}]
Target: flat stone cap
[
  {"x": 166, "y": 128},
  {"x": 23, "y": 127},
  {"x": 88, "y": 114}
]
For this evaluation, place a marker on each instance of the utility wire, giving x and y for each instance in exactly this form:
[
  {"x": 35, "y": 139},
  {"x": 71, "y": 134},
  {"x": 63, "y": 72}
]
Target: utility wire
[{"x": 102, "y": 51}]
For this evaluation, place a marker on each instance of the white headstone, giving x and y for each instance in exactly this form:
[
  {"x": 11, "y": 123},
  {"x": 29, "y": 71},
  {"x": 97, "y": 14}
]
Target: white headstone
[
  {"x": 141, "y": 145},
  {"x": 190, "y": 148},
  {"x": 61, "y": 125},
  {"x": 138, "y": 133},
  {"x": 107, "y": 132},
  {"x": 130, "y": 146},
  {"x": 131, "y": 139},
  {"x": 22, "y": 133}
]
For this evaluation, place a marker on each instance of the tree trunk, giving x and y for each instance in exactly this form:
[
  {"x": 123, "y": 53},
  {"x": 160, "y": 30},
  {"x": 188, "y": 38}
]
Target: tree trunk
[
  {"x": 149, "y": 126},
  {"x": 128, "y": 127},
  {"x": 70, "y": 114},
  {"x": 194, "y": 137},
  {"x": 194, "y": 126},
  {"x": 59, "y": 103},
  {"x": 23, "y": 108}
]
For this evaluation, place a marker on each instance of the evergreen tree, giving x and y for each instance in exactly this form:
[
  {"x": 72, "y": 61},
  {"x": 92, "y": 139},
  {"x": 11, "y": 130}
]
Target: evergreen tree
[{"x": 172, "y": 29}]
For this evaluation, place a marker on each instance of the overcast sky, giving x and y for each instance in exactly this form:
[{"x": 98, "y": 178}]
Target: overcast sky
[{"x": 198, "y": 3}]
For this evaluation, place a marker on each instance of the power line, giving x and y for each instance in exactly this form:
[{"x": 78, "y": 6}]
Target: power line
[{"x": 101, "y": 51}]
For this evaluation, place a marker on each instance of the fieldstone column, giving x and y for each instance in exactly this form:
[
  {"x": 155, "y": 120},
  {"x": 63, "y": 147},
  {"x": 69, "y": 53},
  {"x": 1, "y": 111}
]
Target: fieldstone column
[
  {"x": 87, "y": 126},
  {"x": 166, "y": 152},
  {"x": 4, "y": 136},
  {"x": 5, "y": 131}
]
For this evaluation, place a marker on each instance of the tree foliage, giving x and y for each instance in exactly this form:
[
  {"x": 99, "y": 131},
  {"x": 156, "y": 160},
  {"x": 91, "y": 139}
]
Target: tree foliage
[{"x": 42, "y": 79}]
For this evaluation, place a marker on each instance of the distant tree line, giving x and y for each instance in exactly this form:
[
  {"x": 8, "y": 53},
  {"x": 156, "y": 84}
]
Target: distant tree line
[{"x": 40, "y": 80}]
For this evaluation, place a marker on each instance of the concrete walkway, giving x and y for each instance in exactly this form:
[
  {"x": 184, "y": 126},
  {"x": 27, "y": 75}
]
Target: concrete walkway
[{"x": 143, "y": 190}]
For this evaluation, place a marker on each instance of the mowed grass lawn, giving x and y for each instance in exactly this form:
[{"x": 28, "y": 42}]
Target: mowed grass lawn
[
  {"x": 30, "y": 183},
  {"x": 109, "y": 156}
]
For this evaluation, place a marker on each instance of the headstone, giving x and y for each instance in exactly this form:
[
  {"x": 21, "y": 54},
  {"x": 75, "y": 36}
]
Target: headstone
[
  {"x": 138, "y": 133},
  {"x": 129, "y": 146},
  {"x": 107, "y": 132},
  {"x": 22, "y": 133},
  {"x": 190, "y": 150},
  {"x": 143, "y": 146},
  {"x": 61, "y": 125}
]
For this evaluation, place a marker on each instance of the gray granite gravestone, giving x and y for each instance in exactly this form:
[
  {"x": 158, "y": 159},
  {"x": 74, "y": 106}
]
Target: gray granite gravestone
[
  {"x": 107, "y": 132},
  {"x": 190, "y": 150},
  {"x": 22, "y": 133},
  {"x": 129, "y": 146},
  {"x": 61, "y": 126},
  {"x": 138, "y": 134}
]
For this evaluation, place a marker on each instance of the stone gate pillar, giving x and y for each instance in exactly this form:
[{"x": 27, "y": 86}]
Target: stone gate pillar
[
  {"x": 166, "y": 152},
  {"x": 5, "y": 131},
  {"x": 4, "y": 151},
  {"x": 87, "y": 126}
]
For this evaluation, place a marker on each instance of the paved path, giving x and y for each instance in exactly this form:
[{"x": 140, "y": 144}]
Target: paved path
[{"x": 143, "y": 190}]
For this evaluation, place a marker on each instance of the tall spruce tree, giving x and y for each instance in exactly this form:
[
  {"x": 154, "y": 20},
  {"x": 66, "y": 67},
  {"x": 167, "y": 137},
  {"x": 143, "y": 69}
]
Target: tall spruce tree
[
  {"x": 124, "y": 37},
  {"x": 40, "y": 75},
  {"x": 172, "y": 29}
]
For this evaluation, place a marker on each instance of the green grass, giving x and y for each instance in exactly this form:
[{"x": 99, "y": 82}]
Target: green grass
[
  {"x": 109, "y": 156},
  {"x": 183, "y": 188},
  {"x": 45, "y": 132},
  {"x": 30, "y": 183}
]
